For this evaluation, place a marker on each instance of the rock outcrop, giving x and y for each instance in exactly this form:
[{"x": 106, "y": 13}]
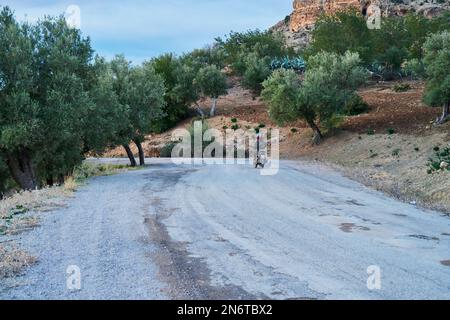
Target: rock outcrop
[{"x": 297, "y": 26}]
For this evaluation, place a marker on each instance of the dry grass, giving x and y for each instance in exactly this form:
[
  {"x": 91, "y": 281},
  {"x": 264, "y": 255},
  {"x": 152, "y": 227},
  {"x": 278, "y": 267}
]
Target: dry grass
[
  {"x": 40, "y": 200},
  {"x": 17, "y": 213},
  {"x": 13, "y": 260}
]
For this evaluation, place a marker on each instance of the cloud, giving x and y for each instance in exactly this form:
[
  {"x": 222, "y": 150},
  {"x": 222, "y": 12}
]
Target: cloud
[{"x": 141, "y": 29}]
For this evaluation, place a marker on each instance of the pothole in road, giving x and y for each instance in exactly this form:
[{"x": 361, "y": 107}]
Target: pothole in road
[
  {"x": 423, "y": 237},
  {"x": 355, "y": 203},
  {"x": 350, "y": 227}
]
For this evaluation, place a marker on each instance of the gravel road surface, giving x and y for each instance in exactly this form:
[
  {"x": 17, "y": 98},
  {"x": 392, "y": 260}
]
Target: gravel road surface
[{"x": 226, "y": 232}]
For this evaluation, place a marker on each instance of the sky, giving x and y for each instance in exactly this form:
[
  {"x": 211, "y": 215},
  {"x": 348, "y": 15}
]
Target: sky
[{"x": 142, "y": 29}]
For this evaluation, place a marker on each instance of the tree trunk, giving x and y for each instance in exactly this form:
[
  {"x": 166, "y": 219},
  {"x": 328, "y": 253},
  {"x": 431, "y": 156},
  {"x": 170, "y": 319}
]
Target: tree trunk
[
  {"x": 50, "y": 181},
  {"x": 130, "y": 155},
  {"x": 199, "y": 110},
  {"x": 317, "y": 134},
  {"x": 21, "y": 168},
  {"x": 213, "y": 108},
  {"x": 141, "y": 152},
  {"x": 445, "y": 114},
  {"x": 61, "y": 179}
]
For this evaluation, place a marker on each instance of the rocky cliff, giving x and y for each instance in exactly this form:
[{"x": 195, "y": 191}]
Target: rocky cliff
[{"x": 297, "y": 26}]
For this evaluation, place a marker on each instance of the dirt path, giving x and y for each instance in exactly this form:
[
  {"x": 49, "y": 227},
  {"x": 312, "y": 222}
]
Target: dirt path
[{"x": 221, "y": 232}]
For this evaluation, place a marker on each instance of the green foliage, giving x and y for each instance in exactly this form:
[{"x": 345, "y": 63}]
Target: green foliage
[
  {"x": 282, "y": 93},
  {"x": 414, "y": 68},
  {"x": 212, "y": 55},
  {"x": 256, "y": 71},
  {"x": 263, "y": 43},
  {"x": 330, "y": 81},
  {"x": 178, "y": 96},
  {"x": 396, "y": 152},
  {"x": 106, "y": 112},
  {"x": 234, "y": 120},
  {"x": 355, "y": 105},
  {"x": 46, "y": 75},
  {"x": 146, "y": 100},
  {"x": 437, "y": 66},
  {"x": 140, "y": 91},
  {"x": 249, "y": 54},
  {"x": 382, "y": 50},
  {"x": 59, "y": 103},
  {"x": 341, "y": 32},
  {"x": 88, "y": 170},
  {"x": 211, "y": 82},
  {"x": 401, "y": 87},
  {"x": 440, "y": 160},
  {"x": 166, "y": 151},
  {"x": 297, "y": 63},
  {"x": 390, "y": 131}
]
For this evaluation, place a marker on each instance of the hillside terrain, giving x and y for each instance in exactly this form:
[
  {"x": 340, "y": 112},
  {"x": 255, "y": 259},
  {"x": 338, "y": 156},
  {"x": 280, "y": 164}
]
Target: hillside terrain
[
  {"x": 387, "y": 148},
  {"x": 297, "y": 26}
]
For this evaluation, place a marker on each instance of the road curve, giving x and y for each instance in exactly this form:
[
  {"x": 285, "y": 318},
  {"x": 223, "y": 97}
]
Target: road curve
[{"x": 226, "y": 232}]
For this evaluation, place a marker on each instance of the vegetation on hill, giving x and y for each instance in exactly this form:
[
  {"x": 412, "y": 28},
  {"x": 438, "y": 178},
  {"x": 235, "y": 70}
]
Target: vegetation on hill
[
  {"x": 329, "y": 83},
  {"x": 385, "y": 50}
]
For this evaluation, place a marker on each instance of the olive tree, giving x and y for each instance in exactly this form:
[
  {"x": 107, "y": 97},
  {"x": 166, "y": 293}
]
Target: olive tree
[
  {"x": 437, "y": 66},
  {"x": 330, "y": 81},
  {"x": 146, "y": 103},
  {"x": 212, "y": 83},
  {"x": 256, "y": 71},
  {"x": 44, "y": 76},
  {"x": 142, "y": 92}
]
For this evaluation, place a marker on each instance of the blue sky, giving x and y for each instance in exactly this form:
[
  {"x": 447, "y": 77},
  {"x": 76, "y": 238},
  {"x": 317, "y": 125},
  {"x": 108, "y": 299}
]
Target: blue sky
[{"x": 141, "y": 29}]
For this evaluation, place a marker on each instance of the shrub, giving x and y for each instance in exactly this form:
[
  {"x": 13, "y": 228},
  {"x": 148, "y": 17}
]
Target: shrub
[
  {"x": 401, "y": 87},
  {"x": 440, "y": 161},
  {"x": 390, "y": 131},
  {"x": 234, "y": 120},
  {"x": 256, "y": 71},
  {"x": 355, "y": 105},
  {"x": 396, "y": 152},
  {"x": 166, "y": 151}
]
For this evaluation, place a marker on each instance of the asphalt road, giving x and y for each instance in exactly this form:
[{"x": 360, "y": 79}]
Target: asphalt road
[{"x": 226, "y": 232}]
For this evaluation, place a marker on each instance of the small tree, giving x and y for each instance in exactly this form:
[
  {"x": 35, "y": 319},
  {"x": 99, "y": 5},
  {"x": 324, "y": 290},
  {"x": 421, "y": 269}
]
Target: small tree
[
  {"x": 106, "y": 112},
  {"x": 186, "y": 91},
  {"x": 437, "y": 66},
  {"x": 257, "y": 70},
  {"x": 167, "y": 66},
  {"x": 141, "y": 91},
  {"x": 212, "y": 83},
  {"x": 330, "y": 81},
  {"x": 146, "y": 102},
  {"x": 121, "y": 69}
]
